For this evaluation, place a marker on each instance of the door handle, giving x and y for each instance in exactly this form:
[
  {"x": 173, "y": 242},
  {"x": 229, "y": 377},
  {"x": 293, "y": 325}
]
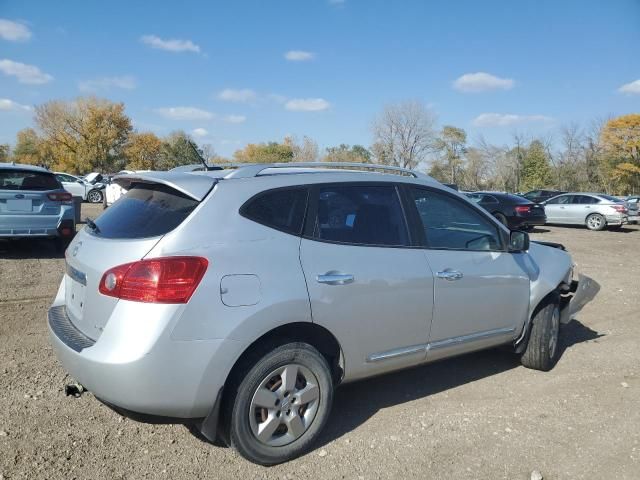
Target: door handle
[
  {"x": 450, "y": 275},
  {"x": 330, "y": 278}
]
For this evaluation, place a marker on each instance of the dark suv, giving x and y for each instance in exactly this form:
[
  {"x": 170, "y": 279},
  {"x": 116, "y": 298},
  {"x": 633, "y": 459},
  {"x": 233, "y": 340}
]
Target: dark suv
[{"x": 539, "y": 196}]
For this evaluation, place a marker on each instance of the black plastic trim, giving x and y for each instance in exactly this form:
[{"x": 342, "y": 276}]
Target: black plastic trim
[{"x": 66, "y": 331}]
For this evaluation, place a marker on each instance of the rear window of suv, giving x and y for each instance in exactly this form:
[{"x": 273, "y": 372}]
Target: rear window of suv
[
  {"x": 27, "y": 180},
  {"x": 147, "y": 210}
]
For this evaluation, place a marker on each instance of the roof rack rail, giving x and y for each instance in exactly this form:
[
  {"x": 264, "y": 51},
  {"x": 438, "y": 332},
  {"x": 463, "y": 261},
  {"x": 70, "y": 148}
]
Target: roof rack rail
[{"x": 254, "y": 169}]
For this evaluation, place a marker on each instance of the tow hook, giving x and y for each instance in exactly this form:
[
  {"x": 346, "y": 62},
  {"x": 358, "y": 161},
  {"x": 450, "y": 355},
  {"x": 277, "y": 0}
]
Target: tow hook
[{"x": 74, "y": 390}]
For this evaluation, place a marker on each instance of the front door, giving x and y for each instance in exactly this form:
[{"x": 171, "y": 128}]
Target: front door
[
  {"x": 481, "y": 291},
  {"x": 366, "y": 285},
  {"x": 556, "y": 209}
]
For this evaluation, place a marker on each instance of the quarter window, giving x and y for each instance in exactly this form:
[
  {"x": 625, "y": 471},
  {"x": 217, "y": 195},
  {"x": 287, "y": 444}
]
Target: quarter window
[
  {"x": 282, "y": 209},
  {"x": 361, "y": 215},
  {"x": 450, "y": 224}
]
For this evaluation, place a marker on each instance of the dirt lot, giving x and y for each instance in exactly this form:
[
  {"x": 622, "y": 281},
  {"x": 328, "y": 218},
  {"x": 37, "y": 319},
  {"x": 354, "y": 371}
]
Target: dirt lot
[{"x": 478, "y": 416}]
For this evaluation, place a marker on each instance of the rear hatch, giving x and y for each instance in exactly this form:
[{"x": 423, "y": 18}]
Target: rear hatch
[
  {"x": 125, "y": 232},
  {"x": 25, "y": 206}
]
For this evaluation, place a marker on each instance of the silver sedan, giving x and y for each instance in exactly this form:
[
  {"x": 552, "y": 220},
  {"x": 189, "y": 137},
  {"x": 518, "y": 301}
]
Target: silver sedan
[{"x": 595, "y": 210}]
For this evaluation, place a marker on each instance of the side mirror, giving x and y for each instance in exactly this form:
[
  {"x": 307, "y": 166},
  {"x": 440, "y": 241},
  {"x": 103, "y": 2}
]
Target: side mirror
[{"x": 518, "y": 241}]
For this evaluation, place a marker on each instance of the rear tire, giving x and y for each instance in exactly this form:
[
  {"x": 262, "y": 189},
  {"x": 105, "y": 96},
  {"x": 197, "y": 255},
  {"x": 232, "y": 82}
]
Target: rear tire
[
  {"x": 276, "y": 406},
  {"x": 596, "y": 222},
  {"x": 542, "y": 347}
]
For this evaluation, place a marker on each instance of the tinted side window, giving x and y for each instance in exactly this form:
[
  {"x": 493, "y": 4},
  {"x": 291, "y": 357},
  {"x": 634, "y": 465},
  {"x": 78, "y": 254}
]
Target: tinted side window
[
  {"x": 360, "y": 214},
  {"x": 281, "y": 209},
  {"x": 563, "y": 200},
  {"x": 584, "y": 200},
  {"x": 449, "y": 223},
  {"x": 147, "y": 210}
]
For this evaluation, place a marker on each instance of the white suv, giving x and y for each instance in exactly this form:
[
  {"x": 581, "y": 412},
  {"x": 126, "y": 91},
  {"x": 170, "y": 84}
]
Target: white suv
[{"x": 239, "y": 299}]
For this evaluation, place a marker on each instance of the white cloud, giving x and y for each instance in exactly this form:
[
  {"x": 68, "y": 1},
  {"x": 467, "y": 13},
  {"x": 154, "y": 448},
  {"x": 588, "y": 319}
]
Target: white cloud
[
  {"x": 199, "y": 132},
  {"x": 307, "y": 104},
  {"x": 632, "y": 88},
  {"x": 171, "y": 45},
  {"x": 14, "y": 31},
  {"x": 235, "y": 118},
  {"x": 507, "y": 119},
  {"x": 126, "y": 82},
  {"x": 184, "y": 113},
  {"x": 298, "y": 55},
  {"x": 29, "y": 74},
  {"x": 7, "y": 105},
  {"x": 481, "y": 82},
  {"x": 240, "y": 95}
]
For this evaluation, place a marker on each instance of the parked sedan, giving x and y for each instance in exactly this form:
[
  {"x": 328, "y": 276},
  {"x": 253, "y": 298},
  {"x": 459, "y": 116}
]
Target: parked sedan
[
  {"x": 633, "y": 204},
  {"x": 511, "y": 210},
  {"x": 34, "y": 204},
  {"x": 539, "y": 196},
  {"x": 595, "y": 210},
  {"x": 89, "y": 188}
]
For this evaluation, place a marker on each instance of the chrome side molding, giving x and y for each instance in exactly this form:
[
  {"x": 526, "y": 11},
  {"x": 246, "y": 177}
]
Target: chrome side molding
[{"x": 448, "y": 342}]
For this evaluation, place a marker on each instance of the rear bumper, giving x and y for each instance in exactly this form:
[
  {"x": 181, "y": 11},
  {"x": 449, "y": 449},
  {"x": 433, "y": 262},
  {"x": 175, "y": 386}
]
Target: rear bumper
[
  {"x": 161, "y": 377},
  {"x": 26, "y": 226},
  {"x": 616, "y": 219},
  {"x": 537, "y": 220}
]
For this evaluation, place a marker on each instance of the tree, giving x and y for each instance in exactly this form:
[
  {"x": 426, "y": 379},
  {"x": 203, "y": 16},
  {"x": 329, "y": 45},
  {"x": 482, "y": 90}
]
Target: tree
[
  {"x": 85, "y": 134},
  {"x": 5, "y": 152},
  {"x": 620, "y": 138},
  {"x": 305, "y": 152},
  {"x": 536, "y": 171},
  {"x": 452, "y": 145},
  {"x": 144, "y": 151},
  {"x": 271, "y": 152},
  {"x": 403, "y": 134},
  {"x": 348, "y": 154},
  {"x": 178, "y": 149}
]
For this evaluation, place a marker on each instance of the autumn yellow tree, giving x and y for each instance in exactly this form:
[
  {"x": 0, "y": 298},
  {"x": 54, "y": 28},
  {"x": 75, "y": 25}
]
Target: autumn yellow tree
[
  {"x": 143, "y": 151},
  {"x": 621, "y": 140},
  {"x": 85, "y": 134}
]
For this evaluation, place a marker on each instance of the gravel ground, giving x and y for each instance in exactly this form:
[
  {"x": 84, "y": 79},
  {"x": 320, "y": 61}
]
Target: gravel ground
[{"x": 477, "y": 416}]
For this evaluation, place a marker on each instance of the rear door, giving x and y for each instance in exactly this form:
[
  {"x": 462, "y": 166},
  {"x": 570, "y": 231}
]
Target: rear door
[
  {"x": 481, "y": 291},
  {"x": 124, "y": 233},
  {"x": 366, "y": 283}
]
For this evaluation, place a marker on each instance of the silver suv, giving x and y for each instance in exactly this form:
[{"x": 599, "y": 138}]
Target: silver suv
[{"x": 239, "y": 299}]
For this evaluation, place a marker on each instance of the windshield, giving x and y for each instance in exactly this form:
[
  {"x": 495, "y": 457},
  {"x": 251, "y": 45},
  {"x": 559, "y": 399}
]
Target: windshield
[
  {"x": 147, "y": 210},
  {"x": 27, "y": 180}
]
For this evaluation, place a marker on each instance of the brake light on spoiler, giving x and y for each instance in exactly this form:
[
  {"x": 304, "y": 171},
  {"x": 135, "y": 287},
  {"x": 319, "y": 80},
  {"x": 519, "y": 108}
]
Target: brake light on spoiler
[{"x": 156, "y": 280}]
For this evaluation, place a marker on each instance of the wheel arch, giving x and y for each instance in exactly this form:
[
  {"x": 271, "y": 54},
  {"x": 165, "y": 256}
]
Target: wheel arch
[{"x": 312, "y": 333}]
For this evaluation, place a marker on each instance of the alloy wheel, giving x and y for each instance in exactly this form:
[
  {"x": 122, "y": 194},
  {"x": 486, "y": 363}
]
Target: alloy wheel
[{"x": 284, "y": 405}]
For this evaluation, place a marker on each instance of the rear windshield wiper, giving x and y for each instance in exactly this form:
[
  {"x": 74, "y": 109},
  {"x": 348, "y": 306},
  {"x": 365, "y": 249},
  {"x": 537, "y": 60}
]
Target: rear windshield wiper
[{"x": 92, "y": 225}]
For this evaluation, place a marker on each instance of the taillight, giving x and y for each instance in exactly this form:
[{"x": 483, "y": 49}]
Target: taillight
[
  {"x": 620, "y": 208},
  {"x": 523, "y": 209},
  {"x": 60, "y": 196},
  {"x": 157, "y": 280}
]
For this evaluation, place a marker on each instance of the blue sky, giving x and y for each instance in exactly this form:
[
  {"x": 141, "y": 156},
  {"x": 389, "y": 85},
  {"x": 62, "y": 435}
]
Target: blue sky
[{"x": 250, "y": 71}]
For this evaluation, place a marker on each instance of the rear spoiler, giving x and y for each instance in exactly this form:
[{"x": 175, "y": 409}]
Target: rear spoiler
[{"x": 193, "y": 186}]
